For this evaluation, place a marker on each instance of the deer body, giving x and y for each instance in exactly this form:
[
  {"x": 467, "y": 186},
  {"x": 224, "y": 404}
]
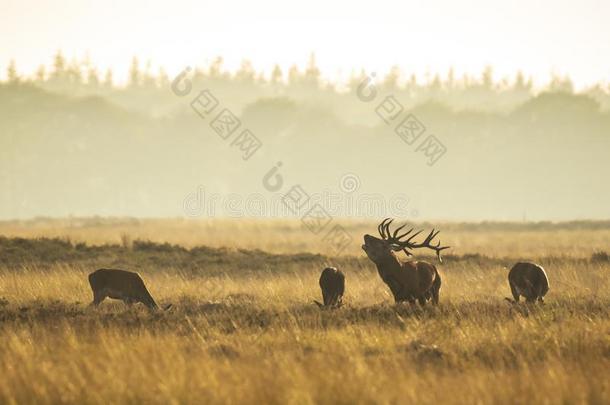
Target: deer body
[
  {"x": 120, "y": 285},
  {"x": 332, "y": 283},
  {"x": 408, "y": 281},
  {"x": 528, "y": 280}
]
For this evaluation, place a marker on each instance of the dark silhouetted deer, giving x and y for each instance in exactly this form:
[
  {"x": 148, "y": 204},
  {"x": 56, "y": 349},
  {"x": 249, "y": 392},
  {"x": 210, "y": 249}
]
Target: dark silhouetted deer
[
  {"x": 411, "y": 280},
  {"x": 528, "y": 280},
  {"x": 332, "y": 283},
  {"x": 120, "y": 285}
]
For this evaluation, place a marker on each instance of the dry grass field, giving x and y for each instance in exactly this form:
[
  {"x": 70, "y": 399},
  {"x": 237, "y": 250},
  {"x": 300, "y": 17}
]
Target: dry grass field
[
  {"x": 243, "y": 328},
  {"x": 494, "y": 239}
]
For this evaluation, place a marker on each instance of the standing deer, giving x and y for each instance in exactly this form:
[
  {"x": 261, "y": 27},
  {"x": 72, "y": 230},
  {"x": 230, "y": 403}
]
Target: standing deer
[
  {"x": 408, "y": 281},
  {"x": 528, "y": 280},
  {"x": 332, "y": 283},
  {"x": 120, "y": 285}
]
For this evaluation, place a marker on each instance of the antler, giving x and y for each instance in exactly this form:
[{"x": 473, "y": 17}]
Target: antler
[{"x": 406, "y": 245}]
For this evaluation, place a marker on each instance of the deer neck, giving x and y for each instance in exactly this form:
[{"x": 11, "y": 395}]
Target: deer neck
[{"x": 388, "y": 264}]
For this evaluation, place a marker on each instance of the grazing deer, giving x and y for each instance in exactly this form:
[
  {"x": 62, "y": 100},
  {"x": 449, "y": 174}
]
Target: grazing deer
[
  {"x": 528, "y": 280},
  {"x": 408, "y": 281},
  {"x": 332, "y": 283},
  {"x": 120, "y": 285}
]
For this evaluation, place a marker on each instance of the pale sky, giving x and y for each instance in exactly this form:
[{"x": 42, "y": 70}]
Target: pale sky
[{"x": 539, "y": 37}]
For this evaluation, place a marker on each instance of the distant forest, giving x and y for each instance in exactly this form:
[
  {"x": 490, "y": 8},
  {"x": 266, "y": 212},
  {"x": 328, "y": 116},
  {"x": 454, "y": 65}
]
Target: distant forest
[
  {"x": 72, "y": 142},
  {"x": 480, "y": 93}
]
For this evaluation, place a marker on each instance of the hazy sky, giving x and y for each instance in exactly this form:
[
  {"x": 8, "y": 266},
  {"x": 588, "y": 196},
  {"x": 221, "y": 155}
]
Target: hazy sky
[{"x": 540, "y": 37}]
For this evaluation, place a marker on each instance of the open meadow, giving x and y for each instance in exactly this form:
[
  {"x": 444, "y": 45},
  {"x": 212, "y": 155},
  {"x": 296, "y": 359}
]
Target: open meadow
[
  {"x": 243, "y": 326},
  {"x": 304, "y": 203}
]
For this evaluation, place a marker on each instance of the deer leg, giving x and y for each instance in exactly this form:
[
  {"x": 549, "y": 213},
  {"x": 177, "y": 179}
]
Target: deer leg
[
  {"x": 400, "y": 299},
  {"x": 97, "y": 298},
  {"x": 515, "y": 293},
  {"x": 531, "y": 294},
  {"x": 435, "y": 295},
  {"x": 422, "y": 300},
  {"x": 538, "y": 293},
  {"x": 436, "y": 289}
]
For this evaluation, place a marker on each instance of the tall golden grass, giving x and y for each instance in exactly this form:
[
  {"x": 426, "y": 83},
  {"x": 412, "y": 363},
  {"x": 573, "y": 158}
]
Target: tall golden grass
[{"x": 258, "y": 338}]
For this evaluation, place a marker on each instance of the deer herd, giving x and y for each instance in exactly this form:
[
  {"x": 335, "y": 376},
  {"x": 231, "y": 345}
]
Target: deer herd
[{"x": 409, "y": 281}]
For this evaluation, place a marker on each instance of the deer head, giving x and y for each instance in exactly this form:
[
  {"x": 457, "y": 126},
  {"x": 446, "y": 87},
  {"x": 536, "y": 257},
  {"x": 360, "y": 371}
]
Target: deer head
[{"x": 382, "y": 249}]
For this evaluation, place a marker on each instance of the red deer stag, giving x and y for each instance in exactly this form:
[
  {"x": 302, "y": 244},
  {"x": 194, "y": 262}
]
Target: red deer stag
[
  {"x": 528, "y": 280},
  {"x": 332, "y": 283},
  {"x": 120, "y": 285},
  {"x": 408, "y": 281}
]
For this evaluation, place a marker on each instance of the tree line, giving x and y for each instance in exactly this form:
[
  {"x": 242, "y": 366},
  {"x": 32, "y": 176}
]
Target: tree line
[{"x": 83, "y": 77}]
